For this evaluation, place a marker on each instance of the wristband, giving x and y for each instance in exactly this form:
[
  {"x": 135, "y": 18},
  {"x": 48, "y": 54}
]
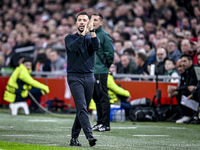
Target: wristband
[{"x": 93, "y": 30}]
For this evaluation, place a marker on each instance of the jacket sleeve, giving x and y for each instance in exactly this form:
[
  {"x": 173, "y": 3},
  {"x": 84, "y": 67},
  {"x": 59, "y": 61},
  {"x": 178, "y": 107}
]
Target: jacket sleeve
[
  {"x": 73, "y": 44},
  {"x": 115, "y": 88},
  {"x": 26, "y": 77},
  {"x": 181, "y": 88},
  {"x": 193, "y": 78},
  {"x": 197, "y": 88},
  {"x": 108, "y": 50},
  {"x": 95, "y": 43}
]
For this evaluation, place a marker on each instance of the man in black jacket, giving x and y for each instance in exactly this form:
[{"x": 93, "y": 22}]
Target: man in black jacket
[
  {"x": 195, "y": 89},
  {"x": 141, "y": 61},
  {"x": 173, "y": 90},
  {"x": 80, "y": 56},
  {"x": 190, "y": 80}
]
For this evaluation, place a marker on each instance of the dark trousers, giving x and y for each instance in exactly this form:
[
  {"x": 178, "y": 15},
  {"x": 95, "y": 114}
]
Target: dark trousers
[
  {"x": 36, "y": 94},
  {"x": 185, "y": 111},
  {"x": 102, "y": 100},
  {"x": 81, "y": 89}
]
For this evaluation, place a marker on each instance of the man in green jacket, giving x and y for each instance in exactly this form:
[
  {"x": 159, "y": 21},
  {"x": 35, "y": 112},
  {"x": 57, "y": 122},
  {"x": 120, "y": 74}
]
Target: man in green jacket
[
  {"x": 116, "y": 93},
  {"x": 103, "y": 59},
  {"x": 21, "y": 82}
]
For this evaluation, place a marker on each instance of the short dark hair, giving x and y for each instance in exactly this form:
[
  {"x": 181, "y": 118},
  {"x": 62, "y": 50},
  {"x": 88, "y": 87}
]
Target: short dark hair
[
  {"x": 169, "y": 59},
  {"x": 160, "y": 31},
  {"x": 129, "y": 57},
  {"x": 179, "y": 9},
  {"x": 189, "y": 57},
  {"x": 130, "y": 51},
  {"x": 142, "y": 56},
  {"x": 125, "y": 36},
  {"x": 171, "y": 40},
  {"x": 189, "y": 30},
  {"x": 149, "y": 43},
  {"x": 173, "y": 33},
  {"x": 119, "y": 41},
  {"x": 98, "y": 14},
  {"x": 82, "y": 13},
  {"x": 27, "y": 59}
]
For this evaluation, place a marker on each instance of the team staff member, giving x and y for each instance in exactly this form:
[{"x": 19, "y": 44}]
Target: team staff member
[
  {"x": 103, "y": 59},
  {"x": 190, "y": 83},
  {"x": 21, "y": 82},
  {"x": 80, "y": 55}
]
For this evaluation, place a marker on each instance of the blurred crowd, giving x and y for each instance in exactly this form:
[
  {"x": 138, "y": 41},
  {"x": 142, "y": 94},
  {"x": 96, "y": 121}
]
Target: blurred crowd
[{"x": 144, "y": 32}]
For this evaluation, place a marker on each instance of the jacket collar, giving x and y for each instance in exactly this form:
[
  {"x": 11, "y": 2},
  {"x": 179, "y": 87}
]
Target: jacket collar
[
  {"x": 192, "y": 66},
  {"x": 99, "y": 29}
]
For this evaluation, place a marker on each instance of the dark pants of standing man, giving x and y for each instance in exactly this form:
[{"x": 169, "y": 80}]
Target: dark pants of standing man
[
  {"x": 82, "y": 90},
  {"x": 101, "y": 99}
]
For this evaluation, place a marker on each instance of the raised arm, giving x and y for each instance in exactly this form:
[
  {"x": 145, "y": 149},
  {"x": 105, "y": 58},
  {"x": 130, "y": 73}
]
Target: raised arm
[
  {"x": 94, "y": 39},
  {"x": 73, "y": 44}
]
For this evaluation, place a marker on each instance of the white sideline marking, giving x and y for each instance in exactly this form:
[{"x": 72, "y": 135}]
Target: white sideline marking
[
  {"x": 83, "y": 135},
  {"x": 176, "y": 127},
  {"x": 52, "y": 145},
  {"x": 111, "y": 127},
  {"x": 141, "y": 126},
  {"x": 123, "y": 128},
  {"x": 150, "y": 135},
  {"x": 17, "y": 135},
  {"x": 107, "y": 146},
  {"x": 42, "y": 120},
  {"x": 6, "y": 127}
]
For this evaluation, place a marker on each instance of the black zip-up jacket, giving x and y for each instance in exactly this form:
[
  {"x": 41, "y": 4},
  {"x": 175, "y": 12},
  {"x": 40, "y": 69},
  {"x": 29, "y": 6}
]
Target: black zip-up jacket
[
  {"x": 80, "y": 54},
  {"x": 190, "y": 79}
]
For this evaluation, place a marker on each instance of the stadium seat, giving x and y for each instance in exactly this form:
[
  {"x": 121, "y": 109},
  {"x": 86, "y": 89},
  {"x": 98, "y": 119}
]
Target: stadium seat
[{"x": 15, "y": 106}]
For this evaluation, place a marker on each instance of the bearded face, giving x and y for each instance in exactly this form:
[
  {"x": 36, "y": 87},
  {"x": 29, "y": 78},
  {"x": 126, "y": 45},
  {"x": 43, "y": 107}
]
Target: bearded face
[{"x": 81, "y": 22}]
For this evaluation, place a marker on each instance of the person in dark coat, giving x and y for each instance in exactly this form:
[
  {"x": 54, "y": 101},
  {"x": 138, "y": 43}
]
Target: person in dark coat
[
  {"x": 161, "y": 54},
  {"x": 141, "y": 61},
  {"x": 80, "y": 60},
  {"x": 190, "y": 81}
]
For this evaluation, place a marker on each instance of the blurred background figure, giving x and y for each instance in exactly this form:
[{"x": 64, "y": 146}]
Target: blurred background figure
[
  {"x": 57, "y": 62},
  {"x": 171, "y": 70},
  {"x": 21, "y": 82}
]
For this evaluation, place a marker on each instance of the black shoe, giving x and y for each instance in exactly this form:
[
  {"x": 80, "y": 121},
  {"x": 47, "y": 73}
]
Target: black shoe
[
  {"x": 103, "y": 128},
  {"x": 74, "y": 142},
  {"x": 96, "y": 127},
  {"x": 92, "y": 141}
]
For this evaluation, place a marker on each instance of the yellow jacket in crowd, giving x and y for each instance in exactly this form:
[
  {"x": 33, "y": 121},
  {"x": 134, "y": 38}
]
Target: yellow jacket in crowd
[
  {"x": 20, "y": 82},
  {"x": 113, "y": 91}
]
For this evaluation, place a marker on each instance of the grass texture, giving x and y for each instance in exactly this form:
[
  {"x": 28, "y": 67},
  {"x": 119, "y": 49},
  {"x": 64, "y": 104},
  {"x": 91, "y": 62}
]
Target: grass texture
[{"x": 49, "y": 132}]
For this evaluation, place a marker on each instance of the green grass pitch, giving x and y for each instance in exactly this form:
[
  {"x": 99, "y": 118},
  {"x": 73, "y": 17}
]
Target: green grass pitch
[{"x": 48, "y": 132}]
